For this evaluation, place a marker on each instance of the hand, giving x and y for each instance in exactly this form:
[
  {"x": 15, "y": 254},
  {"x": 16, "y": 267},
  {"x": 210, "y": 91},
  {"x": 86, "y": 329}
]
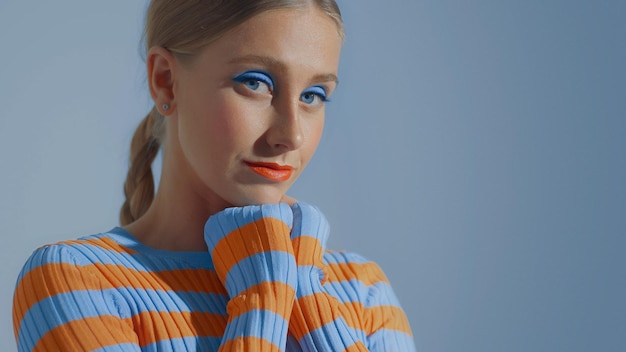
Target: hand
[
  {"x": 253, "y": 258},
  {"x": 250, "y": 245}
]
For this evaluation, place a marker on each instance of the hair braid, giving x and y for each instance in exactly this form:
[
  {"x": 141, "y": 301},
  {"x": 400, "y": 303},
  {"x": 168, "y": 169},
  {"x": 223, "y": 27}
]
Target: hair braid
[{"x": 139, "y": 185}]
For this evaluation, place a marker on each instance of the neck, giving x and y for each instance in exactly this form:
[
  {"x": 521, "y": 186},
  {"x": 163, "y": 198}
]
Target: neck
[{"x": 175, "y": 220}]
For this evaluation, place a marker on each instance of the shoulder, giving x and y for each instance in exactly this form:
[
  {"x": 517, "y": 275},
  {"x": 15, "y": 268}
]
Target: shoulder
[
  {"x": 344, "y": 265},
  {"x": 60, "y": 283},
  {"x": 59, "y": 253},
  {"x": 360, "y": 282},
  {"x": 352, "y": 275},
  {"x": 55, "y": 270},
  {"x": 85, "y": 247},
  {"x": 55, "y": 262}
]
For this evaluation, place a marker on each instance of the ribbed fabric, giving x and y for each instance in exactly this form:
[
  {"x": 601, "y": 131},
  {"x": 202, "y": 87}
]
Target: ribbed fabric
[{"x": 266, "y": 284}]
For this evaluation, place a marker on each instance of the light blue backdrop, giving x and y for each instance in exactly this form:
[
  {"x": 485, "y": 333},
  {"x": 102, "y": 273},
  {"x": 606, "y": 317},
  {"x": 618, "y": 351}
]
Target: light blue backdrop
[{"x": 475, "y": 149}]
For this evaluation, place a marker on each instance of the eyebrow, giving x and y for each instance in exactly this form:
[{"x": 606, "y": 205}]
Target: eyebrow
[{"x": 278, "y": 65}]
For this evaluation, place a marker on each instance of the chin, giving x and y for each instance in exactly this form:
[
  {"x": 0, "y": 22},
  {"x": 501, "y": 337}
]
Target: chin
[{"x": 258, "y": 195}]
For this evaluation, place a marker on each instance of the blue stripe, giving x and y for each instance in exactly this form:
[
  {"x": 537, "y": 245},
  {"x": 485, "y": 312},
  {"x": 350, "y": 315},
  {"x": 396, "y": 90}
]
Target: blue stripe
[
  {"x": 146, "y": 257},
  {"x": 201, "y": 343},
  {"x": 149, "y": 300},
  {"x": 122, "y": 347},
  {"x": 344, "y": 258},
  {"x": 45, "y": 316},
  {"x": 309, "y": 280},
  {"x": 391, "y": 340},
  {"x": 334, "y": 336},
  {"x": 228, "y": 220},
  {"x": 355, "y": 291},
  {"x": 347, "y": 291},
  {"x": 57, "y": 310},
  {"x": 263, "y": 324},
  {"x": 190, "y": 259},
  {"x": 272, "y": 266},
  {"x": 42, "y": 256},
  {"x": 309, "y": 221},
  {"x": 292, "y": 344},
  {"x": 210, "y": 343},
  {"x": 83, "y": 254}
]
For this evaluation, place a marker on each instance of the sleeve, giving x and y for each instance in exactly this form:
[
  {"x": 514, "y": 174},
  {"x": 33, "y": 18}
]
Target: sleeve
[
  {"x": 253, "y": 258},
  {"x": 387, "y": 324},
  {"x": 58, "y": 305},
  {"x": 316, "y": 321},
  {"x": 368, "y": 302}
]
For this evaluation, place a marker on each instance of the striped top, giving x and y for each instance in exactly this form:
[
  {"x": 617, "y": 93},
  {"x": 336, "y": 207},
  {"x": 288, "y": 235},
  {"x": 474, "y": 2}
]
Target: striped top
[{"x": 266, "y": 284}]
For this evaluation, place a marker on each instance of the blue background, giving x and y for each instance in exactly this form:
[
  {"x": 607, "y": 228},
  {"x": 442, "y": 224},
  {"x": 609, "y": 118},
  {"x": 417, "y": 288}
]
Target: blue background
[{"x": 475, "y": 149}]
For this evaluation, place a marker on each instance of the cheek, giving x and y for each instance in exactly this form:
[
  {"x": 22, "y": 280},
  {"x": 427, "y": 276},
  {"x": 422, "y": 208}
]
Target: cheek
[
  {"x": 207, "y": 132},
  {"x": 314, "y": 134},
  {"x": 231, "y": 126}
]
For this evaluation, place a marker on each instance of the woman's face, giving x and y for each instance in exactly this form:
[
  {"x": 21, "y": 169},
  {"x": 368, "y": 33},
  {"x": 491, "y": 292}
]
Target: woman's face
[{"x": 249, "y": 110}]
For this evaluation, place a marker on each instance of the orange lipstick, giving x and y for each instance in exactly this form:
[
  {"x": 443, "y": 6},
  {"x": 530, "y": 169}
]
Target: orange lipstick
[{"x": 271, "y": 171}]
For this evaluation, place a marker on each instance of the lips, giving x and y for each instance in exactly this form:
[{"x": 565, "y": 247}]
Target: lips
[{"x": 271, "y": 171}]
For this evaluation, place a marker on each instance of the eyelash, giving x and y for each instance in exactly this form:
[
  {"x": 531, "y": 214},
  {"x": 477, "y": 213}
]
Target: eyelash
[
  {"x": 257, "y": 76},
  {"x": 266, "y": 78},
  {"x": 318, "y": 91}
]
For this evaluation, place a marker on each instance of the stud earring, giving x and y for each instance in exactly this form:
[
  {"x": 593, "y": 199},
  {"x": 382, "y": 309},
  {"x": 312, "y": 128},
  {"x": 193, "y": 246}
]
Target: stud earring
[{"x": 166, "y": 107}]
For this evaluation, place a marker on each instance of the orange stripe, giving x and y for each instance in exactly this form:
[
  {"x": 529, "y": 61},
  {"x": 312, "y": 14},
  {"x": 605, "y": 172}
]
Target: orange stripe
[
  {"x": 277, "y": 297},
  {"x": 17, "y": 318},
  {"x": 86, "y": 335},
  {"x": 53, "y": 279},
  {"x": 149, "y": 327},
  {"x": 374, "y": 318},
  {"x": 146, "y": 328},
  {"x": 368, "y": 273},
  {"x": 310, "y": 313},
  {"x": 352, "y": 313},
  {"x": 195, "y": 280},
  {"x": 152, "y": 327},
  {"x": 249, "y": 343},
  {"x": 308, "y": 250},
  {"x": 313, "y": 311},
  {"x": 386, "y": 317},
  {"x": 102, "y": 242},
  {"x": 266, "y": 234},
  {"x": 49, "y": 280}
]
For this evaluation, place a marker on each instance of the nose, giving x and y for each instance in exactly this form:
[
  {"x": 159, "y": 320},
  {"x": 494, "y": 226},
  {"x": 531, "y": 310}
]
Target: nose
[{"x": 285, "y": 132}]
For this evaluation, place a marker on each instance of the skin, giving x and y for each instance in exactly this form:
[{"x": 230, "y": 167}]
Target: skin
[{"x": 215, "y": 125}]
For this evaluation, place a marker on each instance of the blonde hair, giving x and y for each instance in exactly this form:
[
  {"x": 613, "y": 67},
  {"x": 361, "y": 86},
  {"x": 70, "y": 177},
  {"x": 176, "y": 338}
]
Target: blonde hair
[{"x": 184, "y": 27}]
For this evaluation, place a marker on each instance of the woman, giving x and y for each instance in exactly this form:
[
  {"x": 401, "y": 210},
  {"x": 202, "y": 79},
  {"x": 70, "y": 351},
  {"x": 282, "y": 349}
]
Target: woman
[{"x": 220, "y": 258}]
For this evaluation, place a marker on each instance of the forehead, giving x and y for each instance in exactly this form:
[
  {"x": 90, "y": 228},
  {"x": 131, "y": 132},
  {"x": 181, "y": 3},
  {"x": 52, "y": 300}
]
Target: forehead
[{"x": 303, "y": 38}]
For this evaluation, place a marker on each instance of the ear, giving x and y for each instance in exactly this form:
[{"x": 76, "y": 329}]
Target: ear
[{"x": 161, "y": 77}]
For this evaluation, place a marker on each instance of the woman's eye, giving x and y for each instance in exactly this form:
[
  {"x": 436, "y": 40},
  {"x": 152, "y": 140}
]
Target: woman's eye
[
  {"x": 257, "y": 81},
  {"x": 314, "y": 95},
  {"x": 252, "y": 84}
]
